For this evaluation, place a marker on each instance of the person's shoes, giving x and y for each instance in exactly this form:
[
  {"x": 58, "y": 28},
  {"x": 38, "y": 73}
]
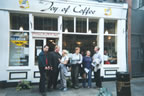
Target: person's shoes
[
  {"x": 89, "y": 87},
  {"x": 76, "y": 87},
  {"x": 49, "y": 89},
  {"x": 83, "y": 86},
  {"x": 64, "y": 89},
  {"x": 61, "y": 88},
  {"x": 43, "y": 93}
]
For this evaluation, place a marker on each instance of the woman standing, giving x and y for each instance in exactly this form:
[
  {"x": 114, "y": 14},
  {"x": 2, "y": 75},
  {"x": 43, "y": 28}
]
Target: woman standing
[
  {"x": 97, "y": 66},
  {"x": 63, "y": 70},
  {"x": 87, "y": 60}
]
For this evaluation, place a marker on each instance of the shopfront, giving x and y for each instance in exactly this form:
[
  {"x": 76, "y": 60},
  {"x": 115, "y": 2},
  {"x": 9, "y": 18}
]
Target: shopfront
[{"x": 28, "y": 25}]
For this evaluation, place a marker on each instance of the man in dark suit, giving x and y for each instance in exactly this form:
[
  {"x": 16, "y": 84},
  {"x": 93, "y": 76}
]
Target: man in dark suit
[
  {"x": 53, "y": 74},
  {"x": 43, "y": 64}
]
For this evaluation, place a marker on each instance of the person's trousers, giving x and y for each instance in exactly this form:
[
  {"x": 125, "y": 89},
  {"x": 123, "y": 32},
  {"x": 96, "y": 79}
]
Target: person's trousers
[
  {"x": 42, "y": 79},
  {"x": 98, "y": 78},
  {"x": 75, "y": 74},
  {"x": 89, "y": 78},
  {"x": 52, "y": 78},
  {"x": 63, "y": 78}
]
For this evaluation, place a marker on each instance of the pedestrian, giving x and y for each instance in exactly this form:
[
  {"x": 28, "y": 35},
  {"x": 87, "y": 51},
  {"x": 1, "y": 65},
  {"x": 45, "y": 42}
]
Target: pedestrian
[
  {"x": 76, "y": 60},
  {"x": 97, "y": 66},
  {"x": 63, "y": 70},
  {"x": 43, "y": 64},
  {"x": 54, "y": 72},
  {"x": 87, "y": 61}
]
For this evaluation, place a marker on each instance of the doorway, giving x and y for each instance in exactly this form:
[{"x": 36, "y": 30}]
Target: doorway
[{"x": 37, "y": 48}]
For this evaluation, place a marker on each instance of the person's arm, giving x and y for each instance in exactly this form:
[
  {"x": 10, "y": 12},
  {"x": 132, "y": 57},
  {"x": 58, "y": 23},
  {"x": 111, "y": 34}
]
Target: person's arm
[
  {"x": 100, "y": 58},
  {"x": 81, "y": 59},
  {"x": 40, "y": 61},
  {"x": 65, "y": 61}
]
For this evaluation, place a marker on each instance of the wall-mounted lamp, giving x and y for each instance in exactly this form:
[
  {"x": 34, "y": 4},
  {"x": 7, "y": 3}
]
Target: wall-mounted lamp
[
  {"x": 109, "y": 37},
  {"x": 21, "y": 28},
  {"x": 79, "y": 43},
  {"x": 66, "y": 30},
  {"x": 89, "y": 31},
  {"x": 106, "y": 32}
]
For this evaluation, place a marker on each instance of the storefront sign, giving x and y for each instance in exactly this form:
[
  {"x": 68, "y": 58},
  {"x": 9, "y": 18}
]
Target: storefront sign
[
  {"x": 19, "y": 43},
  {"x": 79, "y": 9},
  {"x": 42, "y": 34},
  {"x": 66, "y": 8}
]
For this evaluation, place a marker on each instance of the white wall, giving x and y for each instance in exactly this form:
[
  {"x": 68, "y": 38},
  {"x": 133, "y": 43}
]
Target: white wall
[{"x": 4, "y": 44}]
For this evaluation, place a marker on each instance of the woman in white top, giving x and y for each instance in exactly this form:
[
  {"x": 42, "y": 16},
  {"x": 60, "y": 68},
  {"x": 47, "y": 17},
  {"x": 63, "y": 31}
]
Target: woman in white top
[{"x": 63, "y": 70}]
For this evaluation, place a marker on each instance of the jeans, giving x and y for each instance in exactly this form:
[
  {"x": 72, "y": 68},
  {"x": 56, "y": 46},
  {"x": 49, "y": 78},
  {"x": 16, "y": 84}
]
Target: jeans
[
  {"x": 89, "y": 78},
  {"x": 63, "y": 73}
]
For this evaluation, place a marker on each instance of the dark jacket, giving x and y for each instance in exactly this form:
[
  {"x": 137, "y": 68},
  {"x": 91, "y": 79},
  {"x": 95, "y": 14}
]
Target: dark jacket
[
  {"x": 54, "y": 59},
  {"x": 42, "y": 59}
]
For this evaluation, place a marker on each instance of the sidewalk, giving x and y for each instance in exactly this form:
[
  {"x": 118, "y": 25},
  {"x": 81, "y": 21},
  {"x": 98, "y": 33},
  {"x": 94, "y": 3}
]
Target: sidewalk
[{"x": 137, "y": 86}]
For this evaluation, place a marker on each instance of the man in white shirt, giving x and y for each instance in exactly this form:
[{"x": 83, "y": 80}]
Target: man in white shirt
[{"x": 76, "y": 60}]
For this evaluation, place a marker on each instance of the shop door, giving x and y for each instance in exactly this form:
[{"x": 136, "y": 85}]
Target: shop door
[{"x": 38, "y": 47}]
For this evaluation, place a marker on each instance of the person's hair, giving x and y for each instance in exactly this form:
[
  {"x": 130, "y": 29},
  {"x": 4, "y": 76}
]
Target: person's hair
[
  {"x": 46, "y": 46},
  {"x": 56, "y": 46},
  {"x": 65, "y": 51},
  {"x": 97, "y": 47},
  {"x": 76, "y": 48},
  {"x": 88, "y": 51}
]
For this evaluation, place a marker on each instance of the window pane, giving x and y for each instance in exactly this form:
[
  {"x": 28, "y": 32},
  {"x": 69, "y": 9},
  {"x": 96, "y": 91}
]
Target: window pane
[
  {"x": 81, "y": 25},
  {"x": 110, "y": 27},
  {"x": 110, "y": 50},
  {"x": 93, "y": 25},
  {"x": 72, "y": 41},
  {"x": 45, "y": 23},
  {"x": 19, "y": 49},
  {"x": 19, "y": 20},
  {"x": 68, "y": 24}
]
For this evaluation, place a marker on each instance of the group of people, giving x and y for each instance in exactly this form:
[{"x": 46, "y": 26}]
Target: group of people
[{"x": 52, "y": 63}]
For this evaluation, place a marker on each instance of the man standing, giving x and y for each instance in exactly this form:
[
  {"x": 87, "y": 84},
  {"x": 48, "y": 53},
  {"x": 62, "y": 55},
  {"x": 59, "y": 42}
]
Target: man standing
[
  {"x": 76, "y": 60},
  {"x": 53, "y": 74},
  {"x": 43, "y": 64},
  {"x": 97, "y": 66}
]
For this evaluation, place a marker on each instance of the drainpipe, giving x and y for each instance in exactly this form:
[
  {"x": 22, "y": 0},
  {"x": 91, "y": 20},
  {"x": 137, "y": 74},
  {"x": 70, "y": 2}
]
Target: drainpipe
[{"x": 129, "y": 36}]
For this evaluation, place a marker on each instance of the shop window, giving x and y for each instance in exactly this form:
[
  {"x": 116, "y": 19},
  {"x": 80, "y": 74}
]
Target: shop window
[
  {"x": 19, "y": 21},
  {"x": 110, "y": 27},
  {"x": 110, "y": 50},
  {"x": 81, "y": 25},
  {"x": 93, "y": 26},
  {"x": 72, "y": 41},
  {"x": 68, "y": 24},
  {"x": 45, "y": 23},
  {"x": 19, "y": 49}
]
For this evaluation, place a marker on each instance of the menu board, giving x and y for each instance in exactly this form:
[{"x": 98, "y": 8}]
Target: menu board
[{"x": 19, "y": 49}]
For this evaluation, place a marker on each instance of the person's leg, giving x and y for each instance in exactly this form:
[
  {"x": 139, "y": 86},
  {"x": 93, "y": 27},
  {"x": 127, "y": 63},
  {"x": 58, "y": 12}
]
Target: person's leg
[
  {"x": 61, "y": 79},
  {"x": 89, "y": 78},
  {"x": 99, "y": 83},
  {"x": 42, "y": 79},
  {"x": 50, "y": 79},
  {"x": 95, "y": 78},
  {"x": 84, "y": 80},
  {"x": 76, "y": 76},
  {"x": 56, "y": 73},
  {"x": 72, "y": 75}
]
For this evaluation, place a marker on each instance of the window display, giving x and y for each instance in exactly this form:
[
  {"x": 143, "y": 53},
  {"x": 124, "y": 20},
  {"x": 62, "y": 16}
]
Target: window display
[{"x": 19, "y": 49}]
